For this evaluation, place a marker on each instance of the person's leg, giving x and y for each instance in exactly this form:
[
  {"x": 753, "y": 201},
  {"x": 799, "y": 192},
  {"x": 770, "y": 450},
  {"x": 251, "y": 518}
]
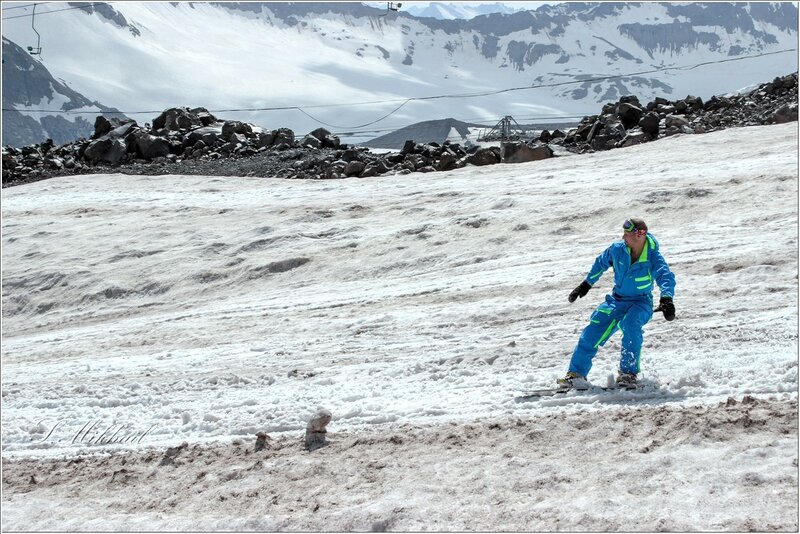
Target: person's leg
[
  {"x": 602, "y": 324},
  {"x": 632, "y": 325}
]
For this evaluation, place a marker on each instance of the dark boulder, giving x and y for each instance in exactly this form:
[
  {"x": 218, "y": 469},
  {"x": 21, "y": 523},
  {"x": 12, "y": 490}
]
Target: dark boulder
[
  {"x": 375, "y": 168},
  {"x": 150, "y": 147},
  {"x": 354, "y": 168},
  {"x": 208, "y": 134},
  {"x": 649, "y": 123},
  {"x": 124, "y": 130},
  {"x": 785, "y": 113},
  {"x": 522, "y": 152},
  {"x": 203, "y": 116},
  {"x": 236, "y": 127},
  {"x": 652, "y": 106},
  {"x": 583, "y": 131},
  {"x": 483, "y": 156},
  {"x": 634, "y": 136},
  {"x": 107, "y": 150},
  {"x": 665, "y": 109},
  {"x": 630, "y": 99},
  {"x": 717, "y": 102},
  {"x": 265, "y": 139},
  {"x": 408, "y": 147},
  {"x": 676, "y": 121},
  {"x": 97, "y": 148},
  {"x": 326, "y": 138},
  {"x": 176, "y": 119},
  {"x": 608, "y": 109},
  {"x": 47, "y": 146},
  {"x": 629, "y": 114},
  {"x": 446, "y": 162},
  {"x": 413, "y": 162},
  {"x": 104, "y": 126},
  {"x": 311, "y": 141},
  {"x": 694, "y": 103},
  {"x": 320, "y": 133},
  {"x": 350, "y": 155},
  {"x": 283, "y": 136},
  {"x": 30, "y": 150}
]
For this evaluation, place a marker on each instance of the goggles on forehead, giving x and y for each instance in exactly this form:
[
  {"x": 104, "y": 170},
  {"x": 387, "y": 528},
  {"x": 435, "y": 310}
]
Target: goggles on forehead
[{"x": 629, "y": 226}]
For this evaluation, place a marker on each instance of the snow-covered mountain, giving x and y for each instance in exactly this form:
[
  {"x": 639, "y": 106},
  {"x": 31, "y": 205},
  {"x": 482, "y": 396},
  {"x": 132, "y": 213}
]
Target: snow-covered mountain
[
  {"x": 460, "y": 10},
  {"x": 373, "y": 69},
  {"x": 28, "y": 87}
]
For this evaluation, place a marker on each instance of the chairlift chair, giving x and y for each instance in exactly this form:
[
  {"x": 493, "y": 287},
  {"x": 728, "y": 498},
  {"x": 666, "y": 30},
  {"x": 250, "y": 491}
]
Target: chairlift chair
[
  {"x": 37, "y": 50},
  {"x": 390, "y": 6}
]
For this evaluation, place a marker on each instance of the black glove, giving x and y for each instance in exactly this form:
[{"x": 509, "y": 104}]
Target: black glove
[
  {"x": 666, "y": 306},
  {"x": 580, "y": 291}
]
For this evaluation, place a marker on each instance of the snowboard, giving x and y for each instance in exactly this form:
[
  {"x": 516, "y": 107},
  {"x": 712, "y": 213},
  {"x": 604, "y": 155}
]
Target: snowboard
[{"x": 539, "y": 393}]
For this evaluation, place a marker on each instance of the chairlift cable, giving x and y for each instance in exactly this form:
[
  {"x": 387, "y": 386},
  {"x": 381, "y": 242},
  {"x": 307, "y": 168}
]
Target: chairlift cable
[
  {"x": 25, "y": 5},
  {"x": 29, "y": 5},
  {"x": 57, "y": 10}
]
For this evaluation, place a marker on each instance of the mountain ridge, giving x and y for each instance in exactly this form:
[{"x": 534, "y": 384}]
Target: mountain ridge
[
  {"x": 434, "y": 130},
  {"x": 27, "y": 84}
]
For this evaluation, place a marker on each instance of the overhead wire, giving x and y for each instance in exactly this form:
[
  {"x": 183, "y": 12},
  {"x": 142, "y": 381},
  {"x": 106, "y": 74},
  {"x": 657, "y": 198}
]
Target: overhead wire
[
  {"x": 91, "y": 4},
  {"x": 26, "y": 5},
  {"x": 30, "y": 5}
]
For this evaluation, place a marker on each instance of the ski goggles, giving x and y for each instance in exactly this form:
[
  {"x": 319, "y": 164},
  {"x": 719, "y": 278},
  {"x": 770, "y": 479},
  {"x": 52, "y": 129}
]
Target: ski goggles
[{"x": 629, "y": 226}]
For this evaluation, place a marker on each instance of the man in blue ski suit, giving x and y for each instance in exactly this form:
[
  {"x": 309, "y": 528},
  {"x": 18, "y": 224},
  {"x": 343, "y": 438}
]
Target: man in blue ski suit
[{"x": 637, "y": 263}]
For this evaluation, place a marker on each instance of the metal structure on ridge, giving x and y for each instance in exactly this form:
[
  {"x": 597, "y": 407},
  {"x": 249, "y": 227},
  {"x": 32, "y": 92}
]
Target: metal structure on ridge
[{"x": 507, "y": 129}]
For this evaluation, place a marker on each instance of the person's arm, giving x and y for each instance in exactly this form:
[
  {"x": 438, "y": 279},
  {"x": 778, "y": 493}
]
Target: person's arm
[
  {"x": 666, "y": 283},
  {"x": 662, "y": 275},
  {"x": 601, "y": 264}
]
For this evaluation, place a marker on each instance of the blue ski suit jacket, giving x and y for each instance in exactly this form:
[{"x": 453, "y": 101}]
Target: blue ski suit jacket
[{"x": 634, "y": 280}]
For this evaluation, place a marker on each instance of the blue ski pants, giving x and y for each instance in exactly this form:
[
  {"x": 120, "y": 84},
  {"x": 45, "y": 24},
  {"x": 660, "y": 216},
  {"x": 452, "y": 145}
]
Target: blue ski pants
[{"x": 629, "y": 315}]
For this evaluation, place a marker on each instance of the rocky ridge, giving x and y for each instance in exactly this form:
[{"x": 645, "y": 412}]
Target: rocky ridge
[{"x": 193, "y": 141}]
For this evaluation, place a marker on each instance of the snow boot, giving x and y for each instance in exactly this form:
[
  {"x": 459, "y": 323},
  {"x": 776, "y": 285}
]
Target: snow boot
[
  {"x": 573, "y": 380},
  {"x": 626, "y": 380}
]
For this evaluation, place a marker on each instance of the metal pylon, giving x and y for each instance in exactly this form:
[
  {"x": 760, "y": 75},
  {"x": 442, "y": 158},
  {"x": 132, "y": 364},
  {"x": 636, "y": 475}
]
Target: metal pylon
[{"x": 505, "y": 130}]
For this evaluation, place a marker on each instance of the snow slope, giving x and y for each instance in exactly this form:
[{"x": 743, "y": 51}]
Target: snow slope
[{"x": 204, "y": 309}]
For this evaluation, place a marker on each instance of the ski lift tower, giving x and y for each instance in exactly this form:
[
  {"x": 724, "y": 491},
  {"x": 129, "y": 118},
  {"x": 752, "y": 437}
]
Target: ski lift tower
[{"x": 506, "y": 130}]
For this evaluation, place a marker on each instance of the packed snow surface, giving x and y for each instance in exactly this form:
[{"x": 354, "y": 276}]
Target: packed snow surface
[{"x": 143, "y": 312}]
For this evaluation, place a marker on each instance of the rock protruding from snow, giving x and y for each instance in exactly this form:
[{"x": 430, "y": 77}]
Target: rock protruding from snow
[
  {"x": 262, "y": 441},
  {"x": 172, "y": 453},
  {"x": 523, "y": 152},
  {"x": 315, "y": 430}
]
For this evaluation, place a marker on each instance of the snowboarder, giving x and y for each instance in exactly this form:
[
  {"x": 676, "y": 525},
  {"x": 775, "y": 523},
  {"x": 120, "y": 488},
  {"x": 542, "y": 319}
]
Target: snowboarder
[{"x": 637, "y": 263}]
